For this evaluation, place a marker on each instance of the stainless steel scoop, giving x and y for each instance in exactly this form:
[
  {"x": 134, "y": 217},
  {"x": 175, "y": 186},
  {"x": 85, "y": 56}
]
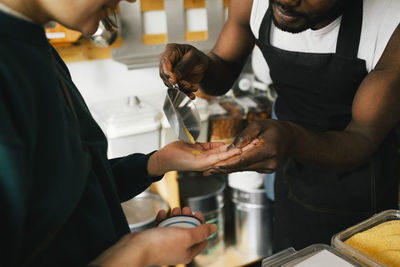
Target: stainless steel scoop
[{"x": 182, "y": 115}]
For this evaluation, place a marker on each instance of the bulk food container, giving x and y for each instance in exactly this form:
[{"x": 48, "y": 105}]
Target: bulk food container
[
  {"x": 129, "y": 124},
  {"x": 205, "y": 194},
  {"x": 317, "y": 255},
  {"x": 252, "y": 214},
  {"x": 226, "y": 119},
  {"x": 374, "y": 242}
]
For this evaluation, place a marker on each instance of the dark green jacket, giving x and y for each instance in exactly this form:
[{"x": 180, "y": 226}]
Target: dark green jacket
[{"x": 56, "y": 210}]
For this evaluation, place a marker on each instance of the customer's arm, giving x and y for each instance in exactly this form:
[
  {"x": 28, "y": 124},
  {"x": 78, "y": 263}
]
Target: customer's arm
[{"x": 136, "y": 172}]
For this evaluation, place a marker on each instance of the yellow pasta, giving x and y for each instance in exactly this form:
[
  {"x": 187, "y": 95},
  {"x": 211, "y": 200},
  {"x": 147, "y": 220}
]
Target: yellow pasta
[
  {"x": 191, "y": 139},
  {"x": 381, "y": 242}
]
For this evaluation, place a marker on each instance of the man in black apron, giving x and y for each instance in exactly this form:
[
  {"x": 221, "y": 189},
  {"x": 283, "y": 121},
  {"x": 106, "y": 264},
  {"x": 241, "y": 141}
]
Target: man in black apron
[{"x": 333, "y": 148}]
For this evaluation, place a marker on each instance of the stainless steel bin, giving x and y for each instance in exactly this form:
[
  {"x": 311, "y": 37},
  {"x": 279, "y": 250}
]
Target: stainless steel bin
[
  {"x": 205, "y": 194},
  {"x": 252, "y": 214}
]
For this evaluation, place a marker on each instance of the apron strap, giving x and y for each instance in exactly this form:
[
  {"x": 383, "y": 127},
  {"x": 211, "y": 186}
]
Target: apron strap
[
  {"x": 350, "y": 29},
  {"x": 264, "y": 32}
]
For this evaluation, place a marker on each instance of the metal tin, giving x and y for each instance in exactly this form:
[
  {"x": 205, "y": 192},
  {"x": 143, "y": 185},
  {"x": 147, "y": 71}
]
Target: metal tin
[
  {"x": 252, "y": 221},
  {"x": 205, "y": 194}
]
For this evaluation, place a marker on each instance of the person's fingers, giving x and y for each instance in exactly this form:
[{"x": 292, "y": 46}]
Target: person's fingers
[
  {"x": 176, "y": 211},
  {"x": 173, "y": 54},
  {"x": 247, "y": 135},
  {"x": 163, "y": 77},
  {"x": 260, "y": 167},
  {"x": 201, "y": 232},
  {"x": 161, "y": 215},
  {"x": 187, "y": 86},
  {"x": 215, "y": 155},
  {"x": 195, "y": 88},
  {"x": 251, "y": 145},
  {"x": 166, "y": 72},
  {"x": 225, "y": 166},
  {"x": 187, "y": 211},
  {"x": 259, "y": 159},
  {"x": 256, "y": 153},
  {"x": 199, "y": 216},
  {"x": 212, "y": 145}
]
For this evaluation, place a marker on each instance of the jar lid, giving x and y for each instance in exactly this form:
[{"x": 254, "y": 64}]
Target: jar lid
[{"x": 180, "y": 221}]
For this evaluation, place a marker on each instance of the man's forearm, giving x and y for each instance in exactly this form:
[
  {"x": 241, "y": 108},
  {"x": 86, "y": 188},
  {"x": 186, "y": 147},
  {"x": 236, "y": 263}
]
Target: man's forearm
[{"x": 336, "y": 150}]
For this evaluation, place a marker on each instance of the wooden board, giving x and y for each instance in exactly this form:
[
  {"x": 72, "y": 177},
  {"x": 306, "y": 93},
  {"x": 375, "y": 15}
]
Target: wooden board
[
  {"x": 188, "y": 4},
  {"x": 226, "y": 3},
  {"x": 196, "y": 36},
  {"x": 151, "y": 5},
  {"x": 151, "y": 39}
]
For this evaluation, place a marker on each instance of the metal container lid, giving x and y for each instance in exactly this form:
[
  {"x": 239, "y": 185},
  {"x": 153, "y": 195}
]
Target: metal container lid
[
  {"x": 249, "y": 196},
  {"x": 141, "y": 211},
  {"x": 202, "y": 193}
]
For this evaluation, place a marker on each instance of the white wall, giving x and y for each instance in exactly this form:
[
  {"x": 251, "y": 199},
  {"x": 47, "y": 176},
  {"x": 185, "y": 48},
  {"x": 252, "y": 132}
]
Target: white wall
[{"x": 100, "y": 80}]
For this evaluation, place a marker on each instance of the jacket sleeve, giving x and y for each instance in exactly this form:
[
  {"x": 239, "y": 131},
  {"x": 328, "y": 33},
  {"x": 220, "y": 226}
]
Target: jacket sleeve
[{"x": 131, "y": 176}]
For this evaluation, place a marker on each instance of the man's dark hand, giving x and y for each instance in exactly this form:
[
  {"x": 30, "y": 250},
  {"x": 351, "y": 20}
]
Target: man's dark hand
[
  {"x": 184, "y": 65},
  {"x": 263, "y": 145}
]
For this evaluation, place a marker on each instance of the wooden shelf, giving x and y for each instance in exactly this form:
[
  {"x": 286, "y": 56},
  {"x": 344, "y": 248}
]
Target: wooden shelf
[{"x": 188, "y": 4}]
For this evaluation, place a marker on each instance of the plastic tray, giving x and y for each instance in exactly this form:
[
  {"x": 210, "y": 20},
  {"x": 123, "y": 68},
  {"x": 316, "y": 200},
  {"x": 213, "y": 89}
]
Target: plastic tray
[
  {"x": 338, "y": 239},
  {"x": 314, "y": 255}
]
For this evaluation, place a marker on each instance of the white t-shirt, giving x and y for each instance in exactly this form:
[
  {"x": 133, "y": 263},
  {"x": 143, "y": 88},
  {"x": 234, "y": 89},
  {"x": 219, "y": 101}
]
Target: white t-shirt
[{"x": 380, "y": 19}]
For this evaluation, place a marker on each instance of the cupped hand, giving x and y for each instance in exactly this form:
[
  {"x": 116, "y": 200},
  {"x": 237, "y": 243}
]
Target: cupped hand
[
  {"x": 162, "y": 214},
  {"x": 263, "y": 144},
  {"x": 158, "y": 246},
  {"x": 184, "y": 65},
  {"x": 182, "y": 156}
]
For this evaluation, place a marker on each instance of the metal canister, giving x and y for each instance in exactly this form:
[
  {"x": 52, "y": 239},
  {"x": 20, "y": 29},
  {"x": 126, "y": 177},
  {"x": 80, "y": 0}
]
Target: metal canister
[
  {"x": 252, "y": 221},
  {"x": 205, "y": 194}
]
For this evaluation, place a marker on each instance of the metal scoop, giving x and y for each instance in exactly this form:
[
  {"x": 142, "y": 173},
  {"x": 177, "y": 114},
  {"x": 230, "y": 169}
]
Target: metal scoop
[{"x": 182, "y": 115}]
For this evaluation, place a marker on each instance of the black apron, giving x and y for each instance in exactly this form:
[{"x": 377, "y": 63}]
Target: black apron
[{"x": 316, "y": 91}]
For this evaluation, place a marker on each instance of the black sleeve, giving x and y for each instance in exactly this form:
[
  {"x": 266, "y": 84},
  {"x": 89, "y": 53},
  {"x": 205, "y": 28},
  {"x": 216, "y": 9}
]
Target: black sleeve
[{"x": 131, "y": 176}]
